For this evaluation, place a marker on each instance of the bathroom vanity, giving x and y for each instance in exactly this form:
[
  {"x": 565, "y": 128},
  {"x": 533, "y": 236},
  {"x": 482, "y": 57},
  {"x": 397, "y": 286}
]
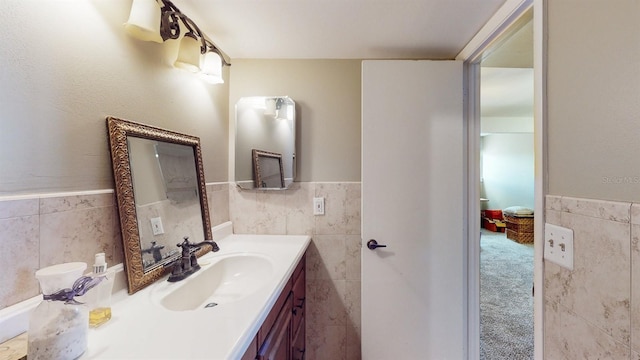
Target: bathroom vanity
[
  {"x": 246, "y": 302},
  {"x": 219, "y": 312}
]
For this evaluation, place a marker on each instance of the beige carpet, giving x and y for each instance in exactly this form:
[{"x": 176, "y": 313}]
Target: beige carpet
[{"x": 506, "y": 304}]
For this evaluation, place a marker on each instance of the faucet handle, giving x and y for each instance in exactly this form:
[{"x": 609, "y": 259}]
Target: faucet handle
[{"x": 184, "y": 243}]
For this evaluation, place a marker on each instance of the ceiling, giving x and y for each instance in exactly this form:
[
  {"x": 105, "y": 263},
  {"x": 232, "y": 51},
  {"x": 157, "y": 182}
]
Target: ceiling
[
  {"x": 345, "y": 29},
  {"x": 374, "y": 29},
  {"x": 515, "y": 48},
  {"x": 506, "y": 92},
  {"x": 506, "y": 85}
]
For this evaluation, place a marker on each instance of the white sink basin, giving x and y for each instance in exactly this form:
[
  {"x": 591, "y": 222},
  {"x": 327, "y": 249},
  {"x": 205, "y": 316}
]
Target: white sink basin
[{"x": 230, "y": 278}]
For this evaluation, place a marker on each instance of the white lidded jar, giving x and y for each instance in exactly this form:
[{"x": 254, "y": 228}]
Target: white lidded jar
[{"x": 59, "y": 325}]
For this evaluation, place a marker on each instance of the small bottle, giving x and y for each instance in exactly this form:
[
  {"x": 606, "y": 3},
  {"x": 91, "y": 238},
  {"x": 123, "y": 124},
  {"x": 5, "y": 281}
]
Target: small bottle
[{"x": 99, "y": 298}]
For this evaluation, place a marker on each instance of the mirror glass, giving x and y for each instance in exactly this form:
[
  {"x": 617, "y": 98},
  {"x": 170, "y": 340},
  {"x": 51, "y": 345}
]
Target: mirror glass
[
  {"x": 161, "y": 196},
  {"x": 265, "y": 125},
  {"x": 165, "y": 189}
]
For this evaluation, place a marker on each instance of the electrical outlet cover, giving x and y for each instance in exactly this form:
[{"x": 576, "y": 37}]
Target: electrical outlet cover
[
  {"x": 156, "y": 226},
  {"x": 318, "y": 206},
  {"x": 558, "y": 245}
]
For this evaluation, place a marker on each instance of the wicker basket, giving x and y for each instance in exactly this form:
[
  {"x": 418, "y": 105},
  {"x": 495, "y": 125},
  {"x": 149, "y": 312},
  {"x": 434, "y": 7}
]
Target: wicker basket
[
  {"x": 519, "y": 224},
  {"x": 520, "y": 237}
]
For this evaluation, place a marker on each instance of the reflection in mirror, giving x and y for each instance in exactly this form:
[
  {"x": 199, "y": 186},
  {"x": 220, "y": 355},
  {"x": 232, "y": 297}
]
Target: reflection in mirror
[
  {"x": 161, "y": 196},
  {"x": 267, "y": 123},
  {"x": 166, "y": 197},
  {"x": 267, "y": 169}
]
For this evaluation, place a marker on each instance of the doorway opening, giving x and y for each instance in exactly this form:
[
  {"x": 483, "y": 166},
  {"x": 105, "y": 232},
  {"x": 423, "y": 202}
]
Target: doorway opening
[{"x": 507, "y": 183}]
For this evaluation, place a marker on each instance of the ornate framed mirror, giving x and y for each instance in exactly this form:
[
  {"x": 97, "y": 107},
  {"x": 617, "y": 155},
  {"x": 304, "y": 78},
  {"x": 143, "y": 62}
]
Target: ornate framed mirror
[
  {"x": 161, "y": 196},
  {"x": 267, "y": 169}
]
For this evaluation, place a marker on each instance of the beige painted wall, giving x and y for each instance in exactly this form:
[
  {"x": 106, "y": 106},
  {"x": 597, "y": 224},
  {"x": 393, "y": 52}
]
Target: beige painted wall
[
  {"x": 64, "y": 67},
  {"x": 71, "y": 65},
  {"x": 327, "y": 96},
  {"x": 594, "y": 99}
]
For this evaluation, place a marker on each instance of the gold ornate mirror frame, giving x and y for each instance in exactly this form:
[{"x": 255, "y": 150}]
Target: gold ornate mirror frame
[
  {"x": 119, "y": 130},
  {"x": 267, "y": 169}
]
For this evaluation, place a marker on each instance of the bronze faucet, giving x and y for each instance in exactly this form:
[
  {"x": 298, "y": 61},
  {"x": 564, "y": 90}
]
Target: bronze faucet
[{"x": 187, "y": 264}]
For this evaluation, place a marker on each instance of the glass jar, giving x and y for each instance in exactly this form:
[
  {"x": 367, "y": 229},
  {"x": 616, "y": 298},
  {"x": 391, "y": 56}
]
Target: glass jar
[{"x": 59, "y": 325}]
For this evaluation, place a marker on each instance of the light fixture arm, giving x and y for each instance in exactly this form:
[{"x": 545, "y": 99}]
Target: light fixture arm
[
  {"x": 171, "y": 17},
  {"x": 169, "y": 21}
]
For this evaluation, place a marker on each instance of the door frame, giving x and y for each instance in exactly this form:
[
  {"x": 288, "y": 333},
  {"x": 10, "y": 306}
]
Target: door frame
[{"x": 510, "y": 11}]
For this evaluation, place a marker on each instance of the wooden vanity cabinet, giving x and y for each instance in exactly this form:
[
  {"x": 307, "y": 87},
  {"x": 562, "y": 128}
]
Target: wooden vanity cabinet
[
  {"x": 281, "y": 336},
  {"x": 297, "y": 344},
  {"x": 252, "y": 350},
  {"x": 276, "y": 344},
  {"x": 298, "y": 311}
]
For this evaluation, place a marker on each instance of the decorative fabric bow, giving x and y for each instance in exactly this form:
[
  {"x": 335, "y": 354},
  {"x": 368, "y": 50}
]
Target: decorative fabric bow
[{"x": 79, "y": 288}]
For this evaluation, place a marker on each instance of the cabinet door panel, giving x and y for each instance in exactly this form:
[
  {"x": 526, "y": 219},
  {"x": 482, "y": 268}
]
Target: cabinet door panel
[
  {"x": 298, "y": 344},
  {"x": 298, "y": 300},
  {"x": 276, "y": 346},
  {"x": 273, "y": 315}
]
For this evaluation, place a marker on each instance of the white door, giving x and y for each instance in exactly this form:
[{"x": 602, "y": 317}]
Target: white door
[{"x": 413, "y": 186}]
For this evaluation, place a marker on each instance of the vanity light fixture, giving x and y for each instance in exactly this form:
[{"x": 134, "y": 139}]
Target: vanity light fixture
[
  {"x": 161, "y": 20},
  {"x": 272, "y": 106},
  {"x": 211, "y": 67},
  {"x": 189, "y": 54},
  {"x": 144, "y": 21}
]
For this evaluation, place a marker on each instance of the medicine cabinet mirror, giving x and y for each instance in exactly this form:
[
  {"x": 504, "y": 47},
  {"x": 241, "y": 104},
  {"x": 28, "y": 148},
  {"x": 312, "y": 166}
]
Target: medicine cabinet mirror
[
  {"x": 161, "y": 195},
  {"x": 265, "y": 138}
]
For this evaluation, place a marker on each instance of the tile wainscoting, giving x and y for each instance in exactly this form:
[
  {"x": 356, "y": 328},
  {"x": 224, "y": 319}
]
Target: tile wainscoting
[
  {"x": 42, "y": 230},
  {"x": 333, "y": 258},
  {"x": 37, "y": 231},
  {"x": 593, "y": 311}
]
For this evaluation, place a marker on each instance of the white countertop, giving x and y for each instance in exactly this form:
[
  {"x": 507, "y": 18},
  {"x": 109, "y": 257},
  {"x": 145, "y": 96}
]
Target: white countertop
[{"x": 140, "y": 328}]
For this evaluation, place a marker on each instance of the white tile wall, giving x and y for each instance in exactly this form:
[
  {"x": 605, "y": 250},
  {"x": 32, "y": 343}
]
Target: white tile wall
[
  {"x": 333, "y": 258},
  {"x": 593, "y": 311}
]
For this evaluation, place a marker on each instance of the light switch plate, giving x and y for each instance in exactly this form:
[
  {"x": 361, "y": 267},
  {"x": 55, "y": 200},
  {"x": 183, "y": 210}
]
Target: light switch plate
[
  {"x": 558, "y": 245},
  {"x": 156, "y": 226},
  {"x": 318, "y": 206}
]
